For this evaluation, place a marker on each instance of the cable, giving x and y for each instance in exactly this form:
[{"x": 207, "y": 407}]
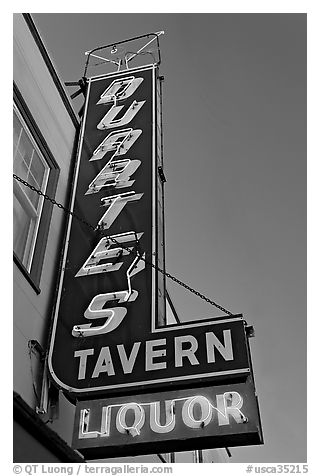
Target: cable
[{"x": 99, "y": 228}]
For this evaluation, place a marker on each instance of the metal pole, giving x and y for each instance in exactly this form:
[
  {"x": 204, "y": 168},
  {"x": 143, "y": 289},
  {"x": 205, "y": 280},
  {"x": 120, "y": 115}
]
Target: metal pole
[{"x": 198, "y": 456}]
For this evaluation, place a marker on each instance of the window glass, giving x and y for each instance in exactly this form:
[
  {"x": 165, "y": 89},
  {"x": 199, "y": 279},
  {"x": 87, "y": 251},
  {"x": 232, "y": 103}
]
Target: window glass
[
  {"x": 30, "y": 165},
  {"x": 23, "y": 228}
]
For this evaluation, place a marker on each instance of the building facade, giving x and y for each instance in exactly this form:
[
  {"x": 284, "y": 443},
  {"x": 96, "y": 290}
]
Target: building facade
[
  {"x": 45, "y": 137},
  {"x": 45, "y": 130}
]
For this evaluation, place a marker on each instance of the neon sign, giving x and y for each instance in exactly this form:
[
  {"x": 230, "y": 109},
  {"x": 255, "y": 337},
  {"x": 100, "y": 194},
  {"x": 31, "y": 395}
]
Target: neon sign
[
  {"x": 116, "y": 189},
  {"x": 207, "y": 415},
  {"x": 207, "y": 409},
  {"x": 109, "y": 333}
]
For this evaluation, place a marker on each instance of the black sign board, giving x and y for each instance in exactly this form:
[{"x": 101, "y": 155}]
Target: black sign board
[
  {"x": 179, "y": 420},
  {"x": 106, "y": 283}
]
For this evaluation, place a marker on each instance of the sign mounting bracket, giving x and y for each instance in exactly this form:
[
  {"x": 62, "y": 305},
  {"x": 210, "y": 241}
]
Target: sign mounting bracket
[{"x": 127, "y": 56}]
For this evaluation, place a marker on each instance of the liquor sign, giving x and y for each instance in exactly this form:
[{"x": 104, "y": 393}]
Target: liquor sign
[
  {"x": 108, "y": 333},
  {"x": 188, "y": 419}
]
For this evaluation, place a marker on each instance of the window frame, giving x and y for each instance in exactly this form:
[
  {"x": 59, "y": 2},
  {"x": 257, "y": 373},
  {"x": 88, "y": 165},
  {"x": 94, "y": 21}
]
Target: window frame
[
  {"x": 33, "y": 210},
  {"x": 33, "y": 275}
]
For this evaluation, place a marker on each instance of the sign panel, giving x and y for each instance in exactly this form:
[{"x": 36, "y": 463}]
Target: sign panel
[
  {"x": 105, "y": 281},
  {"x": 108, "y": 332},
  {"x": 188, "y": 419}
]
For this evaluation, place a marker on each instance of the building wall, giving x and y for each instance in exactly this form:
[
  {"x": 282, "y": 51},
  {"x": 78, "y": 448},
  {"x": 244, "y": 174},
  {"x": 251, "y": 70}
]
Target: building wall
[
  {"x": 26, "y": 444},
  {"x": 32, "y": 311}
]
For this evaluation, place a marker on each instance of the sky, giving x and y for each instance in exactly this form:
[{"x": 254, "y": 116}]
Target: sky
[{"x": 234, "y": 114}]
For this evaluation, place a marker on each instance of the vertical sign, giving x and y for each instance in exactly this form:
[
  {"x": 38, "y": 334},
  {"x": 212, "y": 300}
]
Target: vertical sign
[
  {"x": 109, "y": 340},
  {"x": 105, "y": 282}
]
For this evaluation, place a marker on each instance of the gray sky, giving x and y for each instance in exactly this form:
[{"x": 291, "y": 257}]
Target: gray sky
[{"x": 234, "y": 111}]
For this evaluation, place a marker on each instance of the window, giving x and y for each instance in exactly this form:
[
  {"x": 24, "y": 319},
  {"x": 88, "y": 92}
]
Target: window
[
  {"x": 33, "y": 163},
  {"x": 29, "y": 164}
]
